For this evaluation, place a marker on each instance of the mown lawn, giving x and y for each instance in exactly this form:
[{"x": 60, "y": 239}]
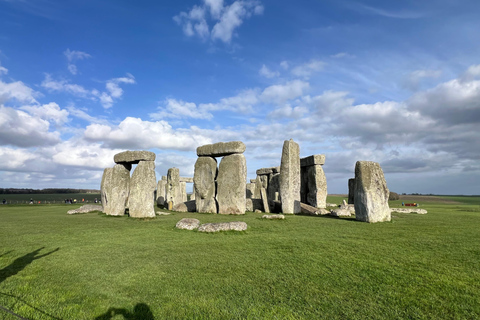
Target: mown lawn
[{"x": 89, "y": 266}]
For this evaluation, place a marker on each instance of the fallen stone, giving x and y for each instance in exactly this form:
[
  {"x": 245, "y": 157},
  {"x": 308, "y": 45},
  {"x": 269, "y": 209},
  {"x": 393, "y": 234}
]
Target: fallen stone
[
  {"x": 317, "y": 159},
  {"x": 371, "y": 193},
  {"x": 290, "y": 178},
  {"x": 221, "y": 149},
  {"x": 163, "y": 213},
  {"x": 408, "y": 210},
  {"x": 231, "y": 184},
  {"x": 188, "y": 224},
  {"x": 86, "y": 208},
  {"x": 273, "y": 216},
  {"x": 134, "y": 157},
  {"x": 258, "y": 211},
  {"x": 187, "y": 206},
  {"x": 312, "y": 211},
  {"x": 142, "y": 191},
  {"x": 204, "y": 184},
  {"x": 340, "y": 212},
  {"x": 119, "y": 190},
  {"x": 223, "y": 226}
]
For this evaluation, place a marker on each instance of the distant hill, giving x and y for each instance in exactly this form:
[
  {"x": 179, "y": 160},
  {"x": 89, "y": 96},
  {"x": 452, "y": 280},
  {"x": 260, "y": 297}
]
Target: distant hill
[{"x": 45, "y": 191}]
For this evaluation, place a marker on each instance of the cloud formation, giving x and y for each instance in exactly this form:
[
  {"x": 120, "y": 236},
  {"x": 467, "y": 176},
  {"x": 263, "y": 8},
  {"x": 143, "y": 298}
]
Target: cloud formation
[{"x": 72, "y": 57}]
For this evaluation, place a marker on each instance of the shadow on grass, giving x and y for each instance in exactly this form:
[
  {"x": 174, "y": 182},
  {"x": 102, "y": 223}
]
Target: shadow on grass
[
  {"x": 20, "y": 263},
  {"x": 140, "y": 312}
]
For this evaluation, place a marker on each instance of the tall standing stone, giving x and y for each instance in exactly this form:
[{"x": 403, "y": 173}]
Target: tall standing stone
[
  {"x": 290, "y": 177},
  {"x": 119, "y": 191},
  {"x": 351, "y": 191},
  {"x": 273, "y": 186},
  {"x": 317, "y": 186},
  {"x": 173, "y": 189},
  {"x": 161, "y": 185},
  {"x": 183, "y": 190},
  {"x": 105, "y": 187},
  {"x": 371, "y": 193},
  {"x": 142, "y": 190},
  {"x": 204, "y": 184},
  {"x": 231, "y": 180}
]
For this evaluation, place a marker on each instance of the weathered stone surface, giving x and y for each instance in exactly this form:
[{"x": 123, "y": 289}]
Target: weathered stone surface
[
  {"x": 231, "y": 184},
  {"x": 266, "y": 207},
  {"x": 253, "y": 180},
  {"x": 223, "y": 226},
  {"x": 188, "y": 224},
  {"x": 340, "y": 212},
  {"x": 371, "y": 193},
  {"x": 119, "y": 190},
  {"x": 192, "y": 195},
  {"x": 331, "y": 204},
  {"x": 134, "y": 157},
  {"x": 260, "y": 182},
  {"x": 183, "y": 190},
  {"x": 187, "y": 180},
  {"x": 312, "y": 211},
  {"x": 290, "y": 178},
  {"x": 317, "y": 159},
  {"x": 86, "y": 208},
  {"x": 204, "y": 184},
  {"x": 316, "y": 186},
  {"x": 173, "y": 188},
  {"x": 161, "y": 192},
  {"x": 250, "y": 190},
  {"x": 351, "y": 191},
  {"x": 251, "y": 205},
  {"x": 163, "y": 213},
  {"x": 142, "y": 191},
  {"x": 187, "y": 206},
  {"x": 105, "y": 189},
  {"x": 268, "y": 170},
  {"x": 409, "y": 210},
  {"x": 273, "y": 189},
  {"x": 273, "y": 216},
  {"x": 221, "y": 149}
]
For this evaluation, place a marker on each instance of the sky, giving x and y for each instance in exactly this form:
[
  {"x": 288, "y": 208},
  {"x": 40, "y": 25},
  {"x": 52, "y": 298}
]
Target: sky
[{"x": 395, "y": 82}]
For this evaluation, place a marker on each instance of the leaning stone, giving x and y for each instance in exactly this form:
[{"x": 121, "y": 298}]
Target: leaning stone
[
  {"x": 188, "y": 224},
  {"x": 408, "y": 210},
  {"x": 161, "y": 189},
  {"x": 105, "y": 187},
  {"x": 260, "y": 182},
  {"x": 120, "y": 190},
  {"x": 290, "y": 178},
  {"x": 86, "y": 208},
  {"x": 273, "y": 216},
  {"x": 221, "y": 149},
  {"x": 317, "y": 159},
  {"x": 266, "y": 207},
  {"x": 134, "y": 157},
  {"x": 173, "y": 189},
  {"x": 204, "y": 184},
  {"x": 142, "y": 191},
  {"x": 231, "y": 184},
  {"x": 187, "y": 206},
  {"x": 223, "y": 226},
  {"x": 371, "y": 193}
]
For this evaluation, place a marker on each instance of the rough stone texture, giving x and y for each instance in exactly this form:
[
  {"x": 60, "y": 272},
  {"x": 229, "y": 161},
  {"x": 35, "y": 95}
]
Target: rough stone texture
[
  {"x": 221, "y": 149},
  {"x": 134, "y": 157},
  {"x": 371, "y": 193},
  {"x": 351, "y": 191},
  {"x": 273, "y": 189},
  {"x": 183, "y": 190},
  {"x": 273, "y": 216},
  {"x": 187, "y": 206},
  {"x": 253, "y": 180},
  {"x": 231, "y": 184},
  {"x": 188, "y": 224},
  {"x": 251, "y": 205},
  {"x": 290, "y": 178},
  {"x": 192, "y": 195},
  {"x": 250, "y": 190},
  {"x": 187, "y": 180},
  {"x": 161, "y": 192},
  {"x": 266, "y": 207},
  {"x": 223, "y": 226},
  {"x": 105, "y": 189},
  {"x": 317, "y": 159},
  {"x": 86, "y": 208},
  {"x": 119, "y": 190},
  {"x": 260, "y": 182},
  {"x": 314, "y": 186},
  {"x": 268, "y": 170},
  {"x": 173, "y": 190},
  {"x": 408, "y": 210},
  {"x": 142, "y": 190},
  {"x": 163, "y": 213},
  {"x": 312, "y": 211},
  {"x": 204, "y": 184},
  {"x": 331, "y": 204},
  {"x": 341, "y": 212}
]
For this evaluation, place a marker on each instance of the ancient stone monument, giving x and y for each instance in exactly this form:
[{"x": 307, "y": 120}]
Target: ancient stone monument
[
  {"x": 161, "y": 191},
  {"x": 314, "y": 182},
  {"x": 290, "y": 178},
  {"x": 371, "y": 193},
  {"x": 142, "y": 191},
  {"x": 351, "y": 191},
  {"x": 231, "y": 184},
  {"x": 204, "y": 185}
]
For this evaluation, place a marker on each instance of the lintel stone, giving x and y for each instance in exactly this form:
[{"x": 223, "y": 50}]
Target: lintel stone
[
  {"x": 134, "y": 157},
  {"x": 316, "y": 159},
  {"x": 221, "y": 149}
]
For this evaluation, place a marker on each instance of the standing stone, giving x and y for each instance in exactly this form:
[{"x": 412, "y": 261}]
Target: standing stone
[
  {"x": 183, "y": 190},
  {"x": 351, "y": 191},
  {"x": 204, "y": 184},
  {"x": 119, "y": 191},
  {"x": 192, "y": 196},
  {"x": 260, "y": 182},
  {"x": 250, "y": 190},
  {"x": 231, "y": 180},
  {"x": 173, "y": 189},
  {"x": 273, "y": 188},
  {"x": 142, "y": 190},
  {"x": 317, "y": 186},
  {"x": 371, "y": 193},
  {"x": 105, "y": 188},
  {"x": 290, "y": 177},
  {"x": 161, "y": 185}
]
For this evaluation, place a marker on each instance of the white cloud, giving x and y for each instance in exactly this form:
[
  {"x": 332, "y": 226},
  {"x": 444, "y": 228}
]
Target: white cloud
[
  {"x": 50, "y": 112},
  {"x": 17, "y": 91},
  {"x": 471, "y": 73},
  {"x": 180, "y": 109},
  {"x": 289, "y": 112},
  {"x": 215, "y": 6},
  {"x": 281, "y": 93},
  {"x": 342, "y": 55},
  {"x": 307, "y": 69},
  {"x": 267, "y": 73},
  {"x": 284, "y": 65},
  {"x": 64, "y": 86},
  {"x": 14, "y": 159},
  {"x": 3, "y": 70},
  {"x": 414, "y": 78},
  {"x": 73, "y": 56}
]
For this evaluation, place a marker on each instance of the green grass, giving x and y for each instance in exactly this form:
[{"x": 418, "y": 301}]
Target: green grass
[
  {"x": 414, "y": 267},
  {"x": 56, "y": 198}
]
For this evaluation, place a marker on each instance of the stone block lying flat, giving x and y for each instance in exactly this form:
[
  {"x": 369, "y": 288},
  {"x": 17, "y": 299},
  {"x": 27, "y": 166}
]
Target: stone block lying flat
[
  {"x": 187, "y": 180},
  {"x": 86, "y": 208},
  {"x": 273, "y": 216},
  {"x": 268, "y": 170},
  {"x": 187, "y": 206},
  {"x": 408, "y": 210},
  {"x": 312, "y": 211},
  {"x": 134, "y": 157},
  {"x": 316, "y": 159},
  {"x": 188, "y": 224},
  {"x": 221, "y": 149},
  {"x": 223, "y": 226}
]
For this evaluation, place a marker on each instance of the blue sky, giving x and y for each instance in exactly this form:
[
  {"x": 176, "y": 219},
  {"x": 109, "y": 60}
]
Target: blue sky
[{"x": 396, "y": 82}]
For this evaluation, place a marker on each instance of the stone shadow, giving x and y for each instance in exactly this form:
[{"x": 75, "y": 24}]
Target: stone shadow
[
  {"x": 141, "y": 311},
  {"x": 20, "y": 263}
]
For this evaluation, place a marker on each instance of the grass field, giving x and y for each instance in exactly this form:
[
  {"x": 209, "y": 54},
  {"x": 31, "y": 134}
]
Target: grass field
[
  {"x": 56, "y": 198},
  {"x": 90, "y": 266}
]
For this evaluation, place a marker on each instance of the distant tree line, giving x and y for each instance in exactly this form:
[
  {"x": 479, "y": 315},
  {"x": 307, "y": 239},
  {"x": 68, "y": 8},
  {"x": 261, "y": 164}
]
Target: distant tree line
[
  {"x": 393, "y": 196},
  {"x": 45, "y": 191}
]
